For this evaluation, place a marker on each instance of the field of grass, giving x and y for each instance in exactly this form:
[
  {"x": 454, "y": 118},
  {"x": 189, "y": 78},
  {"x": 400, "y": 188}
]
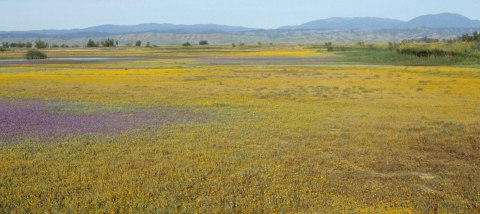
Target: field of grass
[{"x": 234, "y": 130}]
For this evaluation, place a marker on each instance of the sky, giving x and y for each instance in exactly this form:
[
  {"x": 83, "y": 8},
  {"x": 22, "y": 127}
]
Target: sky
[{"x": 22, "y": 15}]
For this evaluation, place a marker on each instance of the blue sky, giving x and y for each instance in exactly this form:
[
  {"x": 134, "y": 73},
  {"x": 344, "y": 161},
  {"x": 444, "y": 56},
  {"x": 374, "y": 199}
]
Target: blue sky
[{"x": 267, "y": 14}]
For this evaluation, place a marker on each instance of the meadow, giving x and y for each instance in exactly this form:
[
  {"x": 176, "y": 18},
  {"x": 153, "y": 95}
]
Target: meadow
[{"x": 254, "y": 129}]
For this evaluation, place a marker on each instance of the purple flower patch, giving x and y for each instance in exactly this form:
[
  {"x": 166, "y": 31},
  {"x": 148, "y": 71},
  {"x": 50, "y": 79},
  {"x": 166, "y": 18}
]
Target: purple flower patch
[{"x": 20, "y": 120}]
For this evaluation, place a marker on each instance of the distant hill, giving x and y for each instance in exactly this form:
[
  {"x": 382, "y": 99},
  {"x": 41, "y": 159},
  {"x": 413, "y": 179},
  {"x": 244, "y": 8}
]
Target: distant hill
[
  {"x": 442, "y": 20},
  {"x": 348, "y": 23},
  {"x": 150, "y": 27},
  {"x": 337, "y": 30},
  {"x": 431, "y": 21}
]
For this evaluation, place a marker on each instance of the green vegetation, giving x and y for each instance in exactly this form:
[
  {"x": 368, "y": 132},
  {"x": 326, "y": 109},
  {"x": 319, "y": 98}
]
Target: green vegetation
[
  {"x": 474, "y": 38},
  {"x": 108, "y": 43},
  {"x": 92, "y": 44},
  {"x": 186, "y": 44},
  {"x": 41, "y": 44},
  {"x": 203, "y": 42},
  {"x": 35, "y": 54},
  {"x": 138, "y": 43},
  {"x": 329, "y": 47},
  {"x": 410, "y": 54}
]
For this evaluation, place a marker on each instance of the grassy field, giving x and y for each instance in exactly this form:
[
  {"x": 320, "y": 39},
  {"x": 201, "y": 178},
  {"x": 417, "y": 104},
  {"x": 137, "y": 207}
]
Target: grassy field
[{"x": 273, "y": 129}]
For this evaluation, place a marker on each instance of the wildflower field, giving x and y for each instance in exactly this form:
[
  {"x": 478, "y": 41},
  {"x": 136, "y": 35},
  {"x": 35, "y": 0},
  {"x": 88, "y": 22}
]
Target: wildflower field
[{"x": 272, "y": 129}]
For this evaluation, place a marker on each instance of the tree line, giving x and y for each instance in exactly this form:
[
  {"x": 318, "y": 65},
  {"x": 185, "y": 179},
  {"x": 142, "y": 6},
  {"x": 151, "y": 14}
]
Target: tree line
[{"x": 39, "y": 44}]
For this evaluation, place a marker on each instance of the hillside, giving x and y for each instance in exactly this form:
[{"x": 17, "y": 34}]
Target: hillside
[{"x": 252, "y": 37}]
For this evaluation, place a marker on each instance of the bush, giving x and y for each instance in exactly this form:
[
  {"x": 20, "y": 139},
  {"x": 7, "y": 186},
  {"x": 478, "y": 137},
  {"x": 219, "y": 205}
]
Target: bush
[
  {"x": 28, "y": 45},
  {"x": 138, "y": 43},
  {"x": 148, "y": 45},
  {"x": 186, "y": 44},
  {"x": 203, "y": 42},
  {"x": 35, "y": 54}
]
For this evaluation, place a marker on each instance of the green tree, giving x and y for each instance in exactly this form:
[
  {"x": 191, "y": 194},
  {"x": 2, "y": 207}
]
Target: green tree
[
  {"x": 186, "y": 44},
  {"x": 28, "y": 45},
  {"x": 203, "y": 42},
  {"x": 138, "y": 43},
  {"x": 41, "y": 44},
  {"x": 148, "y": 45},
  {"x": 108, "y": 43},
  {"x": 5, "y": 45},
  {"x": 329, "y": 46},
  {"x": 233, "y": 45},
  {"x": 91, "y": 43}
]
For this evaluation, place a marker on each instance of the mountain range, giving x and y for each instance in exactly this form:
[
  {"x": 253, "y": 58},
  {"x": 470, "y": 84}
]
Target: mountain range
[
  {"x": 430, "y": 21},
  {"x": 442, "y": 20},
  {"x": 337, "y": 30}
]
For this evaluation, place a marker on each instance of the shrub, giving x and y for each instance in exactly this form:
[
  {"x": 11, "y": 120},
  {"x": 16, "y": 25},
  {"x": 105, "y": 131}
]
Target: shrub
[
  {"x": 203, "y": 42},
  {"x": 138, "y": 43},
  {"x": 35, "y": 54},
  {"x": 186, "y": 44},
  {"x": 148, "y": 45},
  {"x": 28, "y": 45}
]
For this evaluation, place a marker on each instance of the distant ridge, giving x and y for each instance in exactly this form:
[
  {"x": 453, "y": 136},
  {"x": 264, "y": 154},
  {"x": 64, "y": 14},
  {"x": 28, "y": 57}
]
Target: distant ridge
[
  {"x": 141, "y": 28},
  {"x": 337, "y": 30},
  {"x": 348, "y": 24},
  {"x": 442, "y": 20}
]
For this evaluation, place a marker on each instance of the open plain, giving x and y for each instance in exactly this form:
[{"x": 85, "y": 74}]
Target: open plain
[{"x": 254, "y": 129}]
